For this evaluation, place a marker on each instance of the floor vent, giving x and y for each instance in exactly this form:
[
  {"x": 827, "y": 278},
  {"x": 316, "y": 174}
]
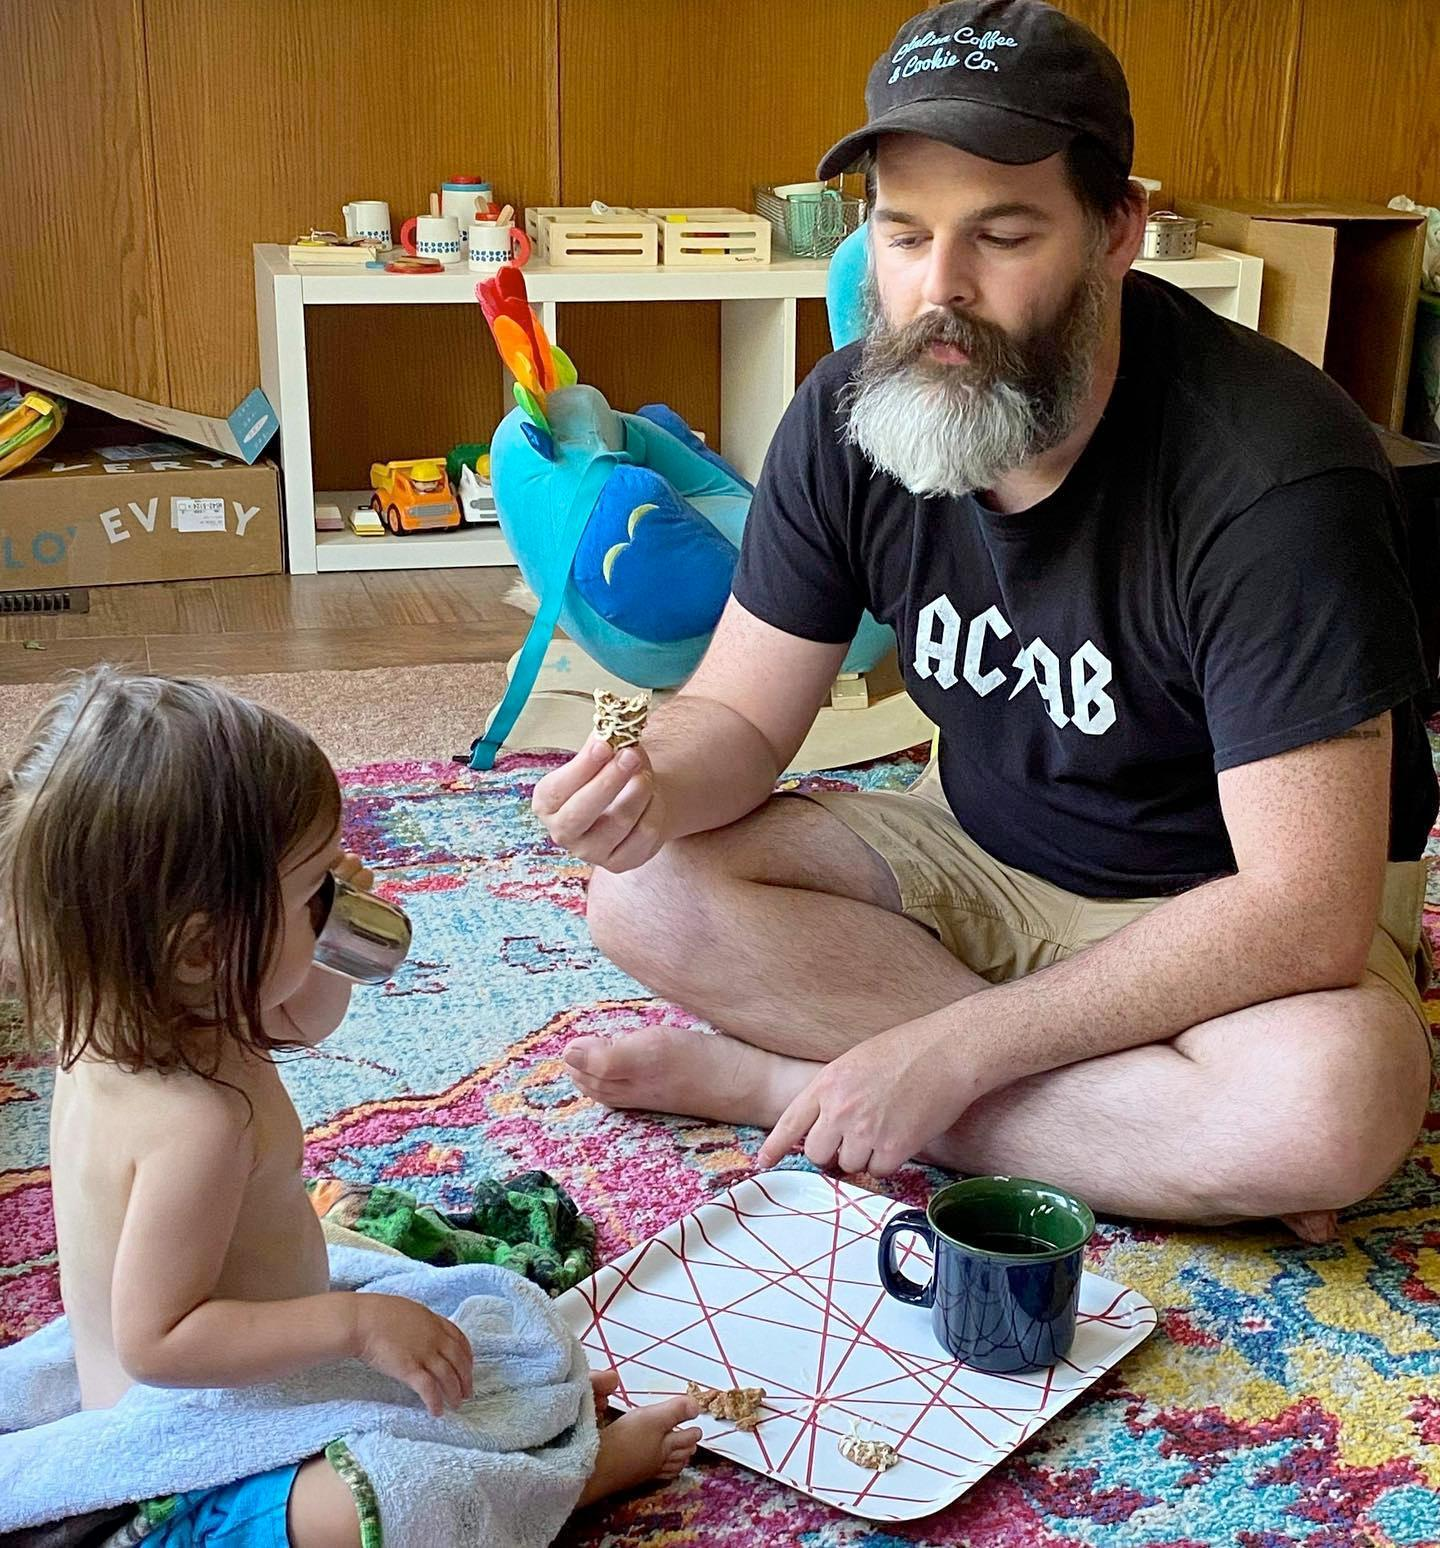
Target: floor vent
[{"x": 75, "y": 600}]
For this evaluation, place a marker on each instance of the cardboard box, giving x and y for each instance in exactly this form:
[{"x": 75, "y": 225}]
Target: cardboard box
[
  {"x": 96, "y": 512},
  {"x": 1339, "y": 287},
  {"x": 243, "y": 433},
  {"x": 1424, "y": 418}
]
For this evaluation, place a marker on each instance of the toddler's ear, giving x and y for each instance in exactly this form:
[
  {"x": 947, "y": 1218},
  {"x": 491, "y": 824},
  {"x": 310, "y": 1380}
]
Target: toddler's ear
[{"x": 195, "y": 962}]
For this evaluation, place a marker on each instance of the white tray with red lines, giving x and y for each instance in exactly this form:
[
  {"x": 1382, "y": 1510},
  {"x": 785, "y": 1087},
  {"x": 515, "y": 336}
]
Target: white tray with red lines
[{"x": 773, "y": 1284}]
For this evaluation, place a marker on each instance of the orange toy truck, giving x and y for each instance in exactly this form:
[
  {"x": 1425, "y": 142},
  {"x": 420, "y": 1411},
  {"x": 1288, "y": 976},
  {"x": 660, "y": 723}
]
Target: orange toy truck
[{"x": 414, "y": 496}]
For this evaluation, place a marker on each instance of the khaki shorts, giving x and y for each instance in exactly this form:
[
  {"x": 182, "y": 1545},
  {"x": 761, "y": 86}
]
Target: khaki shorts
[{"x": 1003, "y": 923}]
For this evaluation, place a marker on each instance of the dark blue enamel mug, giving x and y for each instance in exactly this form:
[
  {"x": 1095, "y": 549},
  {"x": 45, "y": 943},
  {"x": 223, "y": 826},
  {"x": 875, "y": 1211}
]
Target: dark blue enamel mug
[{"x": 1009, "y": 1253}]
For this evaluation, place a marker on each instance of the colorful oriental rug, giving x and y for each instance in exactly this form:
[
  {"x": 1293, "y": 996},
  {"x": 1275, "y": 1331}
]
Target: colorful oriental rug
[{"x": 1290, "y": 1396}]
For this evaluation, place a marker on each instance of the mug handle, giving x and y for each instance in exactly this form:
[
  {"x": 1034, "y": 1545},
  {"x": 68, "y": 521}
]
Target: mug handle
[
  {"x": 891, "y": 1279},
  {"x": 518, "y": 239},
  {"x": 407, "y": 241}
]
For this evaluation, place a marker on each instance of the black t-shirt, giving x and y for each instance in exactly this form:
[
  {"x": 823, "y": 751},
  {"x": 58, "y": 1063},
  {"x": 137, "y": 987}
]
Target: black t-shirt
[{"x": 1217, "y": 580}]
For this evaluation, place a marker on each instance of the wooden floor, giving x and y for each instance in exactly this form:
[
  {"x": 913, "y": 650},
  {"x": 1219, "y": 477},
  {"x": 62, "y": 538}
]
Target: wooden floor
[{"x": 274, "y": 623}]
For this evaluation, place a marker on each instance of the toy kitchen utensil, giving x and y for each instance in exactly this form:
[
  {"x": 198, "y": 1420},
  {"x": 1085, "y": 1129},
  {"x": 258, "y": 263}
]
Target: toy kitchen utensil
[
  {"x": 361, "y": 937},
  {"x": 468, "y": 199},
  {"x": 492, "y": 244},
  {"x": 1168, "y": 235}
]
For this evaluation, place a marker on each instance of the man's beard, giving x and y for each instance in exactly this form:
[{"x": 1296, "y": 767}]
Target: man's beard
[{"x": 952, "y": 429}]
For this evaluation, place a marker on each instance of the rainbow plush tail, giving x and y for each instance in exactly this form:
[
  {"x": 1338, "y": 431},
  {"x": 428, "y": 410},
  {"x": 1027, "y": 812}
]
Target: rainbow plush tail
[{"x": 537, "y": 365}]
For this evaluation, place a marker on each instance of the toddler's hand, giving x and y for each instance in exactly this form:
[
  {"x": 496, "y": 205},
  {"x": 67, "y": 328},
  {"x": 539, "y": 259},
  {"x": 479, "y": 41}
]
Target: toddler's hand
[
  {"x": 415, "y": 1346},
  {"x": 352, "y": 869}
]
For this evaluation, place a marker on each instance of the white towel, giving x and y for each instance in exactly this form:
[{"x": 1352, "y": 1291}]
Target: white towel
[{"x": 505, "y": 1469}]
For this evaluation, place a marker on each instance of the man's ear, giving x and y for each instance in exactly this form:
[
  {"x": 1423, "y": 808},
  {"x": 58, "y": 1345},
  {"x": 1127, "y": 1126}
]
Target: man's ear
[
  {"x": 195, "y": 960},
  {"x": 1125, "y": 231}
]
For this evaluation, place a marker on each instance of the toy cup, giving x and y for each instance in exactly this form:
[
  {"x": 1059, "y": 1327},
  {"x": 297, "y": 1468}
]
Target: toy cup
[
  {"x": 432, "y": 236},
  {"x": 368, "y": 218},
  {"x": 362, "y": 937},
  {"x": 492, "y": 245}
]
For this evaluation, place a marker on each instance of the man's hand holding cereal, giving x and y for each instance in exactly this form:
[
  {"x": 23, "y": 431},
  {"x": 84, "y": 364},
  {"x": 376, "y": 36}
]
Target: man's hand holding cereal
[{"x": 603, "y": 805}]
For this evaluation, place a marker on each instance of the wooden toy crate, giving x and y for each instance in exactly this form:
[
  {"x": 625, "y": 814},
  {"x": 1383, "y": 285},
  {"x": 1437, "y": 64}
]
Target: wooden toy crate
[
  {"x": 577, "y": 238},
  {"x": 721, "y": 238}
]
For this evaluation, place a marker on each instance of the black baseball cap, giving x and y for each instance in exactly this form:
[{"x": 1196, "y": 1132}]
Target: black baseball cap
[{"x": 1009, "y": 80}]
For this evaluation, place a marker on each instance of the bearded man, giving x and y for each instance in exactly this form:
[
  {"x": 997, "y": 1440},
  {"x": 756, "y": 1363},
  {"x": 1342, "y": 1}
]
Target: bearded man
[{"x": 1149, "y": 926}]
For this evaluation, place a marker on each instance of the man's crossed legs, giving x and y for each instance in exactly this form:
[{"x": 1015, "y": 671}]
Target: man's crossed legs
[{"x": 787, "y": 930}]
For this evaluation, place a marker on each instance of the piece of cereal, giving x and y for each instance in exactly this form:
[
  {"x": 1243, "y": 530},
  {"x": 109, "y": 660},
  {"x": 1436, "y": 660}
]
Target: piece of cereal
[
  {"x": 620, "y": 721},
  {"x": 877, "y": 1455},
  {"x": 740, "y": 1405}
]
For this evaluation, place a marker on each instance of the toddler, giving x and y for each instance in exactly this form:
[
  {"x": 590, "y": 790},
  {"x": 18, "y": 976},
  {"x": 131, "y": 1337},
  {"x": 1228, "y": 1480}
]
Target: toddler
[{"x": 165, "y": 849}]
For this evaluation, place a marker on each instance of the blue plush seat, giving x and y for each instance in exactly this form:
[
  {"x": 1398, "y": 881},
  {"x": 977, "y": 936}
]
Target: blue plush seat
[{"x": 627, "y": 527}]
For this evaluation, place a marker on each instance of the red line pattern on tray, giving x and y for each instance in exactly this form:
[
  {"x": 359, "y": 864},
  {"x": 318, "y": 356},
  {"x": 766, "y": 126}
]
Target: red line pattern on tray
[{"x": 746, "y": 1240}]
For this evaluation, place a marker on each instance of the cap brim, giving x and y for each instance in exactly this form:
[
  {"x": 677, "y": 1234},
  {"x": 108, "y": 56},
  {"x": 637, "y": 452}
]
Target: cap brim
[{"x": 982, "y": 128}]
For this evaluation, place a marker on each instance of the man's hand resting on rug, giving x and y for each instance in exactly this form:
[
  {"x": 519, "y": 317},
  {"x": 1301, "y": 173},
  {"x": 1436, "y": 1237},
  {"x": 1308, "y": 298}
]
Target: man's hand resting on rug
[
  {"x": 603, "y": 806},
  {"x": 881, "y": 1103}
]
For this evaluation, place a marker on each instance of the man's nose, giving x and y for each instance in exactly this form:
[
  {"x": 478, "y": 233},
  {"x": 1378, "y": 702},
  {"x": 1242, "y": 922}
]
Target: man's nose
[{"x": 949, "y": 275}]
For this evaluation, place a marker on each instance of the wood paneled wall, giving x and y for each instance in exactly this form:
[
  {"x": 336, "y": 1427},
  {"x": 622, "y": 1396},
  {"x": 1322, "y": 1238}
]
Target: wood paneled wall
[
  {"x": 155, "y": 140},
  {"x": 79, "y": 276},
  {"x": 1366, "y": 122},
  {"x": 262, "y": 131}
]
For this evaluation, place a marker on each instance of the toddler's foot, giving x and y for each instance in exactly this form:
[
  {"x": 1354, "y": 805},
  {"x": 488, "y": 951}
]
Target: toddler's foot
[
  {"x": 642, "y": 1445},
  {"x": 602, "y": 1384}
]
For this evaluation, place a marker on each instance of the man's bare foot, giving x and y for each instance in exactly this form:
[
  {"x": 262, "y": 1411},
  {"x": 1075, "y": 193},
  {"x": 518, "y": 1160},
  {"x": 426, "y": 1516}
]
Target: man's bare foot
[
  {"x": 699, "y": 1074},
  {"x": 1314, "y": 1225},
  {"x": 642, "y": 1445}
]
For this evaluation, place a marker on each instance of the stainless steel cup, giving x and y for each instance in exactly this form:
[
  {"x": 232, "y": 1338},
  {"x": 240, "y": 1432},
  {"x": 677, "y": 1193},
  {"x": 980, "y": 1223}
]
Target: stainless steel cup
[{"x": 363, "y": 938}]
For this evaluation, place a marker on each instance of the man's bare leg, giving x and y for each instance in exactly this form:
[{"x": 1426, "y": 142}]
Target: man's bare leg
[
  {"x": 786, "y": 930},
  {"x": 1294, "y": 1108}
]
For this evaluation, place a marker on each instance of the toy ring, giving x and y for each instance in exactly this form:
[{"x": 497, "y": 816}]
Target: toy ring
[{"x": 414, "y": 266}]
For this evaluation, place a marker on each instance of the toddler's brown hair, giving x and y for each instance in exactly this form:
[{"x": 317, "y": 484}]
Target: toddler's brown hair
[{"x": 138, "y": 806}]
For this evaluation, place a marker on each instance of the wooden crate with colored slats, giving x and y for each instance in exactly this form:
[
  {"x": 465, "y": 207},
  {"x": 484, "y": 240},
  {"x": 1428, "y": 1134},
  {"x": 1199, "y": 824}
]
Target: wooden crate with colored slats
[{"x": 719, "y": 238}]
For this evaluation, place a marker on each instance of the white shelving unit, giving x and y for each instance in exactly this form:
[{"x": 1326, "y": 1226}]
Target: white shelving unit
[{"x": 757, "y": 366}]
